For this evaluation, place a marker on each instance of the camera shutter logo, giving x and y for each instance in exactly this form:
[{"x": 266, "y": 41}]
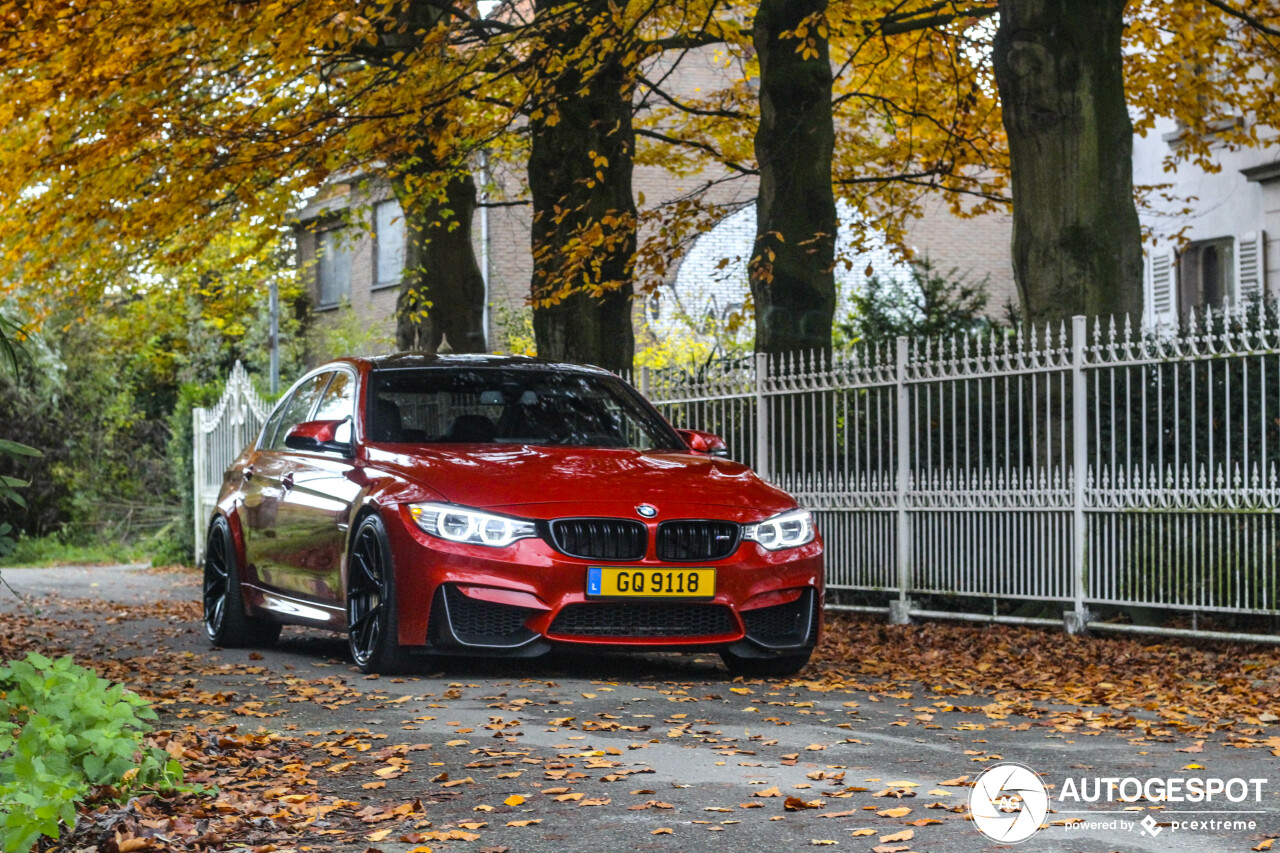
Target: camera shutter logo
[{"x": 1008, "y": 802}]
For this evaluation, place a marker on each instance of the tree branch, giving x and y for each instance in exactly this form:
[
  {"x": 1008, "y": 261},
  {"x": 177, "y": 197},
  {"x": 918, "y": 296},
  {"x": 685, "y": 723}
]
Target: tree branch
[
  {"x": 683, "y": 42},
  {"x": 892, "y": 25},
  {"x": 655, "y": 89},
  {"x": 1252, "y": 21},
  {"x": 701, "y": 146}
]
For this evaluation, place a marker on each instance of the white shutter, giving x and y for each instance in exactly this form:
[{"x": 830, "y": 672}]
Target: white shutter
[
  {"x": 1251, "y": 267},
  {"x": 1162, "y": 278}
]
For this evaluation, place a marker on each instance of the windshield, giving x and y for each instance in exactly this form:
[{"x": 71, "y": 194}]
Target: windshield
[{"x": 512, "y": 406}]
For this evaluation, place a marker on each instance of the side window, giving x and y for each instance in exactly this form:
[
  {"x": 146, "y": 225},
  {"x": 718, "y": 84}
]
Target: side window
[
  {"x": 339, "y": 402},
  {"x": 298, "y": 407},
  {"x": 274, "y": 421},
  {"x": 339, "y": 399}
]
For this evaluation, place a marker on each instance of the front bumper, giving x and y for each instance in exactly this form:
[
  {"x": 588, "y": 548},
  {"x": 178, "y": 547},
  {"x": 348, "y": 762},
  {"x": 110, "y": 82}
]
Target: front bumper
[{"x": 524, "y": 599}]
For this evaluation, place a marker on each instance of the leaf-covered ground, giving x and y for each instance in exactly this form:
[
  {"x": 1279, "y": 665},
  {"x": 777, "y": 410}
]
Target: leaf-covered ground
[{"x": 871, "y": 748}]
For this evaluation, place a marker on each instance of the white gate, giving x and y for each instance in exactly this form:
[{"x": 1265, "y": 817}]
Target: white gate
[
  {"x": 220, "y": 434},
  {"x": 1094, "y": 465}
]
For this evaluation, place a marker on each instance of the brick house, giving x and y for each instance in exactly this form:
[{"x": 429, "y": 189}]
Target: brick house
[{"x": 362, "y": 258}]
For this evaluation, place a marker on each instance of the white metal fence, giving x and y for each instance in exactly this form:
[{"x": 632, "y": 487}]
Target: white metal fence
[
  {"x": 220, "y": 434},
  {"x": 1073, "y": 469},
  {"x": 1009, "y": 477}
]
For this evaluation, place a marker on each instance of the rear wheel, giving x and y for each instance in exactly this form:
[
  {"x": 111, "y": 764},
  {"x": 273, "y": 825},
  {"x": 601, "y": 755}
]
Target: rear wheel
[
  {"x": 765, "y": 667},
  {"x": 225, "y": 622},
  {"x": 372, "y": 625}
]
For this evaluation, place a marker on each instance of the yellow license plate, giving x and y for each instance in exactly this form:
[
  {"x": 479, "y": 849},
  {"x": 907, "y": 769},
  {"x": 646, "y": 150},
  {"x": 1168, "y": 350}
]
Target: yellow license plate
[{"x": 651, "y": 583}]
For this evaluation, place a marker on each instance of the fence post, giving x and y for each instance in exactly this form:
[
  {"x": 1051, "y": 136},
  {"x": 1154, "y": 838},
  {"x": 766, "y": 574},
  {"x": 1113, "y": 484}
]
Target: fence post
[
  {"x": 900, "y": 610},
  {"x": 1076, "y": 621},
  {"x": 197, "y": 479},
  {"x": 762, "y": 416}
]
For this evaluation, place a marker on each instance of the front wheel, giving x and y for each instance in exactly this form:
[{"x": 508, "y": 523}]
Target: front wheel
[
  {"x": 372, "y": 626},
  {"x": 225, "y": 622}
]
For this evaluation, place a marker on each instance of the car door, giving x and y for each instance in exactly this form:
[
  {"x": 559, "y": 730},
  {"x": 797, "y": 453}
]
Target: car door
[
  {"x": 264, "y": 488},
  {"x": 317, "y": 492}
]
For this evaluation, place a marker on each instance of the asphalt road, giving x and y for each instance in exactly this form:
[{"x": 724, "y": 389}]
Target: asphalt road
[{"x": 674, "y": 733}]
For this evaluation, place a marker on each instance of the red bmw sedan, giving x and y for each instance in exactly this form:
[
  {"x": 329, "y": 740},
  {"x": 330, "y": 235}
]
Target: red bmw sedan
[{"x": 504, "y": 506}]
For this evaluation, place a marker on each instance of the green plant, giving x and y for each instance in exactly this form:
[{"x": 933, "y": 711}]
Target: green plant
[
  {"x": 931, "y": 304},
  {"x": 9, "y": 491},
  {"x": 63, "y": 731},
  {"x": 515, "y": 330},
  {"x": 9, "y": 485},
  {"x": 344, "y": 332}
]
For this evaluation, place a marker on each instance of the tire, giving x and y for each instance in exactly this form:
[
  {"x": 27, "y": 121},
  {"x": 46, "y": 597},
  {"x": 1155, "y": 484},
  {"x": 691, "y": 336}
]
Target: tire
[
  {"x": 765, "y": 667},
  {"x": 225, "y": 622},
  {"x": 373, "y": 626}
]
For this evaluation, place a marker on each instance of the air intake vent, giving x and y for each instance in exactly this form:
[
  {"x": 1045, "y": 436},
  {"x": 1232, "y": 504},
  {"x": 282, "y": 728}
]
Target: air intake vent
[
  {"x": 644, "y": 620},
  {"x": 485, "y": 623},
  {"x": 782, "y": 625},
  {"x": 691, "y": 541},
  {"x": 600, "y": 538}
]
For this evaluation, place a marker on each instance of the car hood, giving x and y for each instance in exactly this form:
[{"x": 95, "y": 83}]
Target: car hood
[{"x": 518, "y": 475}]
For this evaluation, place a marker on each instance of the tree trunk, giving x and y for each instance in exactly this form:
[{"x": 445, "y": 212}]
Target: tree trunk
[
  {"x": 1077, "y": 248},
  {"x": 792, "y": 278},
  {"x": 442, "y": 290},
  {"x": 584, "y": 215}
]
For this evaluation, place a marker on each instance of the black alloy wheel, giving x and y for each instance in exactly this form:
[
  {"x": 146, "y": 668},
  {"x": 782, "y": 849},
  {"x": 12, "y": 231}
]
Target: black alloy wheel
[
  {"x": 225, "y": 622},
  {"x": 372, "y": 626}
]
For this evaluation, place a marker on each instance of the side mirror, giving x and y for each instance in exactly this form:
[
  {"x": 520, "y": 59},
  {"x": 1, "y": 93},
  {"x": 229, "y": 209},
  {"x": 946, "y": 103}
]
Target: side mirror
[
  {"x": 704, "y": 442},
  {"x": 320, "y": 436}
]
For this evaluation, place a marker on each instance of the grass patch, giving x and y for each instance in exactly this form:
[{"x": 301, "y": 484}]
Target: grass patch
[{"x": 49, "y": 551}]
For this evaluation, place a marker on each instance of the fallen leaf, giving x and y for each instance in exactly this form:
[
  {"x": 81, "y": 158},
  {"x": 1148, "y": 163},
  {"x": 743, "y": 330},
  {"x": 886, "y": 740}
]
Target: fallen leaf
[
  {"x": 513, "y": 800},
  {"x": 905, "y": 835},
  {"x": 900, "y": 811},
  {"x": 663, "y": 831},
  {"x": 795, "y": 804}
]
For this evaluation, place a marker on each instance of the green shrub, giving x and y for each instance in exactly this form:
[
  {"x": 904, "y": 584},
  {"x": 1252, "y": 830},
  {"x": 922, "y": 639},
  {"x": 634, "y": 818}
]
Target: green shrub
[{"x": 64, "y": 730}]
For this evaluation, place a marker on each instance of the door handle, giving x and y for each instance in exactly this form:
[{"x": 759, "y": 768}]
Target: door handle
[{"x": 287, "y": 482}]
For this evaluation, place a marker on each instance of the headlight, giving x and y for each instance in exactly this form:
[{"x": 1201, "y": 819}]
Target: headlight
[
  {"x": 791, "y": 529},
  {"x": 460, "y": 524}
]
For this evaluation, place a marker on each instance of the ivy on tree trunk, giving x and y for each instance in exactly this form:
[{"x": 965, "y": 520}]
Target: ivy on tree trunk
[
  {"x": 580, "y": 161},
  {"x": 792, "y": 278},
  {"x": 1077, "y": 248},
  {"x": 442, "y": 289}
]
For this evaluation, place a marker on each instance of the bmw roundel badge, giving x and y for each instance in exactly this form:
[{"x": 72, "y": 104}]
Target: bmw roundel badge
[{"x": 646, "y": 510}]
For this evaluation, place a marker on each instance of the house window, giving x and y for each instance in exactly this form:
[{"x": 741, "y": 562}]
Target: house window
[
  {"x": 334, "y": 248},
  {"x": 1206, "y": 274},
  {"x": 389, "y": 234}
]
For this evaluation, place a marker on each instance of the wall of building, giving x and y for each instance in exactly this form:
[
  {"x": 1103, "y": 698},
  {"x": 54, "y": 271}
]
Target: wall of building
[
  {"x": 977, "y": 248},
  {"x": 1234, "y": 202}
]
